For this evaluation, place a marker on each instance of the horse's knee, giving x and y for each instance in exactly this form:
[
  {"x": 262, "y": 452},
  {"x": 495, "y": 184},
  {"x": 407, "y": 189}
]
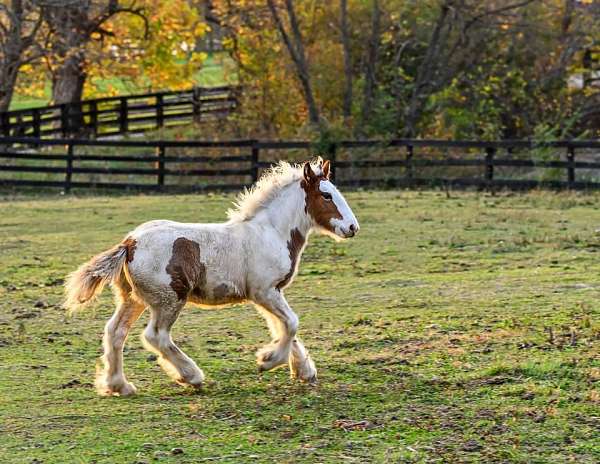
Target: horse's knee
[
  {"x": 291, "y": 324},
  {"x": 157, "y": 339},
  {"x": 150, "y": 338}
]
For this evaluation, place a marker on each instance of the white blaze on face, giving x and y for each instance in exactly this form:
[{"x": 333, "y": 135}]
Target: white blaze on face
[{"x": 347, "y": 226}]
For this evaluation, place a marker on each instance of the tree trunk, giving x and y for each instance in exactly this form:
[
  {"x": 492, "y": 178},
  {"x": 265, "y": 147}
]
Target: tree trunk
[
  {"x": 71, "y": 28},
  {"x": 296, "y": 50},
  {"x": 371, "y": 63},
  {"x": 347, "y": 105},
  {"x": 8, "y": 80},
  {"x": 425, "y": 74},
  {"x": 68, "y": 80},
  {"x": 10, "y": 55}
]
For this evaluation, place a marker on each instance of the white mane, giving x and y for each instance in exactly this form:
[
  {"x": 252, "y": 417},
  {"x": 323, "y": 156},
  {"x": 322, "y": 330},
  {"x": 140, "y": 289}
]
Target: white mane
[{"x": 270, "y": 184}]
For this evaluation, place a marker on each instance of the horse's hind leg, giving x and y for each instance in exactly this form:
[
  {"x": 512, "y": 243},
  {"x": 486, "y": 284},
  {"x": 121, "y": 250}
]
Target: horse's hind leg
[
  {"x": 157, "y": 338},
  {"x": 110, "y": 379}
]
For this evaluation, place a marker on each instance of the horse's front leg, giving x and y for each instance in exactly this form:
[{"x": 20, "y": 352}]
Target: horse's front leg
[
  {"x": 302, "y": 366},
  {"x": 283, "y": 324}
]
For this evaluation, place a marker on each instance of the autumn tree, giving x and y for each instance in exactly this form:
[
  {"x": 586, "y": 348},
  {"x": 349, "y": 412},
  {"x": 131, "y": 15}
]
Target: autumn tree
[
  {"x": 20, "y": 23},
  {"x": 90, "y": 46},
  {"x": 74, "y": 26}
]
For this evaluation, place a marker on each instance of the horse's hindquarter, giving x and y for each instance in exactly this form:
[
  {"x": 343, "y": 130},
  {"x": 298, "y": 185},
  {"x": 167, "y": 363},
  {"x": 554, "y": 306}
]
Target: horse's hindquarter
[{"x": 201, "y": 263}]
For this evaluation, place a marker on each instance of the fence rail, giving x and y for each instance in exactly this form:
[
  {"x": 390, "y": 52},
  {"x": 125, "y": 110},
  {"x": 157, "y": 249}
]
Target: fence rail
[
  {"x": 110, "y": 116},
  {"x": 233, "y": 164}
]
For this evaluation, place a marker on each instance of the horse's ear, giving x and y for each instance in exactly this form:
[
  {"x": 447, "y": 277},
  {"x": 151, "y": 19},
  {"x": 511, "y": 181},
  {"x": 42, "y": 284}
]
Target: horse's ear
[
  {"x": 326, "y": 169},
  {"x": 309, "y": 174}
]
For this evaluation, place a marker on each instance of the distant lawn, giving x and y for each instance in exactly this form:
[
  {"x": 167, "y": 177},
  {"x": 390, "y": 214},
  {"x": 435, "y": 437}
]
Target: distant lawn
[{"x": 212, "y": 73}]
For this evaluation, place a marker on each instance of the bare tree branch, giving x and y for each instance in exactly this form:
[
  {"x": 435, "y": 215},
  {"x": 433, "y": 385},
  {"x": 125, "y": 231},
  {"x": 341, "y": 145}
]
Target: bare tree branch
[
  {"x": 371, "y": 63},
  {"x": 296, "y": 51},
  {"x": 345, "y": 35}
]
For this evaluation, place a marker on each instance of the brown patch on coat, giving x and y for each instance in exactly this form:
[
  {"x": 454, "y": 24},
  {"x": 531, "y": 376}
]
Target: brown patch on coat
[
  {"x": 321, "y": 210},
  {"x": 187, "y": 273},
  {"x": 294, "y": 244},
  {"x": 130, "y": 245}
]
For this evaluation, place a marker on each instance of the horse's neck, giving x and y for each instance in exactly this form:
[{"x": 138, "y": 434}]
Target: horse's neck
[{"x": 286, "y": 213}]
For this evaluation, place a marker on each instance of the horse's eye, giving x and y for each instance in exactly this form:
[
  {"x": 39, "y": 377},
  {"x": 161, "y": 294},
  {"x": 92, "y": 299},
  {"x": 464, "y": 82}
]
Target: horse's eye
[{"x": 326, "y": 195}]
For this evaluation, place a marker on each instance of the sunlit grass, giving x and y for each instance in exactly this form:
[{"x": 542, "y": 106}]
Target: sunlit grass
[{"x": 461, "y": 329}]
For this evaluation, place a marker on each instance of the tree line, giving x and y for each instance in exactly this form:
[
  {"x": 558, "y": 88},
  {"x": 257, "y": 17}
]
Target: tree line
[
  {"x": 342, "y": 68},
  {"x": 401, "y": 68}
]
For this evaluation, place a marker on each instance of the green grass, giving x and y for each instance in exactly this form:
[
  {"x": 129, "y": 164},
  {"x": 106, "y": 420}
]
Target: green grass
[
  {"x": 212, "y": 73},
  {"x": 461, "y": 329}
]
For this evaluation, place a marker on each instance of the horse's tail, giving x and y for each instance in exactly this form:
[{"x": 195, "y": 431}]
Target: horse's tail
[{"x": 83, "y": 285}]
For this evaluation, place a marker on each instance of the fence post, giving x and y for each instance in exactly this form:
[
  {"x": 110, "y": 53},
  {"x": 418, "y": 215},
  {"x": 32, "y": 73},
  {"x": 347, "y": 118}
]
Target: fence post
[
  {"x": 255, "y": 161},
  {"x": 94, "y": 117},
  {"x": 64, "y": 120},
  {"x": 571, "y": 167},
  {"x": 77, "y": 123},
  {"x": 69, "y": 168},
  {"x": 36, "y": 122},
  {"x": 5, "y": 124},
  {"x": 160, "y": 152},
  {"x": 123, "y": 122},
  {"x": 409, "y": 165},
  {"x": 331, "y": 152},
  {"x": 489, "y": 166},
  {"x": 197, "y": 103},
  {"x": 160, "y": 119}
]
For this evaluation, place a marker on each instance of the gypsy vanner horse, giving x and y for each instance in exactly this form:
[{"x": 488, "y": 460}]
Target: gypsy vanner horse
[{"x": 162, "y": 265}]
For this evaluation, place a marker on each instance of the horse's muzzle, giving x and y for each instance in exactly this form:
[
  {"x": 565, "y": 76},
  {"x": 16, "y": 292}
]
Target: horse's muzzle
[{"x": 352, "y": 231}]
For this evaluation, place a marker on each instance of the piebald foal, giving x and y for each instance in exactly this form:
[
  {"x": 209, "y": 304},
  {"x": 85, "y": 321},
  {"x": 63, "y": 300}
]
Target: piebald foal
[{"x": 253, "y": 257}]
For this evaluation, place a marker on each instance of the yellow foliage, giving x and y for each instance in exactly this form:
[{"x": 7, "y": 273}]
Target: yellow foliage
[{"x": 166, "y": 58}]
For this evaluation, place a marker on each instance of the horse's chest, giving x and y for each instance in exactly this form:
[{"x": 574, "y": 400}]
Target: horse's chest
[{"x": 294, "y": 246}]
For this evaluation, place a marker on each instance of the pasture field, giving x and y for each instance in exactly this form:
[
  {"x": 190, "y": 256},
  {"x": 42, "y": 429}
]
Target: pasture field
[{"x": 461, "y": 329}]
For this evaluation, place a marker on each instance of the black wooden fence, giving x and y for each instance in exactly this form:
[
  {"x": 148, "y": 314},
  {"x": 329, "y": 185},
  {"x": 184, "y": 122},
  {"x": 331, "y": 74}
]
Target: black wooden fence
[
  {"x": 227, "y": 165},
  {"x": 109, "y": 116}
]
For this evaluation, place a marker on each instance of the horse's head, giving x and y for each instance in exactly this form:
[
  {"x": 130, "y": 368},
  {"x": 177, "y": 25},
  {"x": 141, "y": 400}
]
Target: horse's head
[{"x": 325, "y": 204}]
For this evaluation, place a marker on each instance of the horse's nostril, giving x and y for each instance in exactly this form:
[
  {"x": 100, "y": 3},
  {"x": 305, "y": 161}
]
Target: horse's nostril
[{"x": 352, "y": 228}]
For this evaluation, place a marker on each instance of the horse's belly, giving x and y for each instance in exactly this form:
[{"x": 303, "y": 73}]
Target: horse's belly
[{"x": 219, "y": 294}]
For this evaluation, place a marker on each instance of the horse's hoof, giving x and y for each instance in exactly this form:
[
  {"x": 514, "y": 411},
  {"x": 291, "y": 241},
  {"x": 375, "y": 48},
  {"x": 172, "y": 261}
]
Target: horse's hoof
[
  {"x": 266, "y": 360},
  {"x": 126, "y": 389},
  {"x": 305, "y": 372},
  {"x": 196, "y": 382},
  {"x": 311, "y": 381},
  {"x": 265, "y": 357}
]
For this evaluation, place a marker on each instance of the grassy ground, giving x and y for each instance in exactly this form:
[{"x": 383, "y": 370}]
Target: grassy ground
[{"x": 461, "y": 329}]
